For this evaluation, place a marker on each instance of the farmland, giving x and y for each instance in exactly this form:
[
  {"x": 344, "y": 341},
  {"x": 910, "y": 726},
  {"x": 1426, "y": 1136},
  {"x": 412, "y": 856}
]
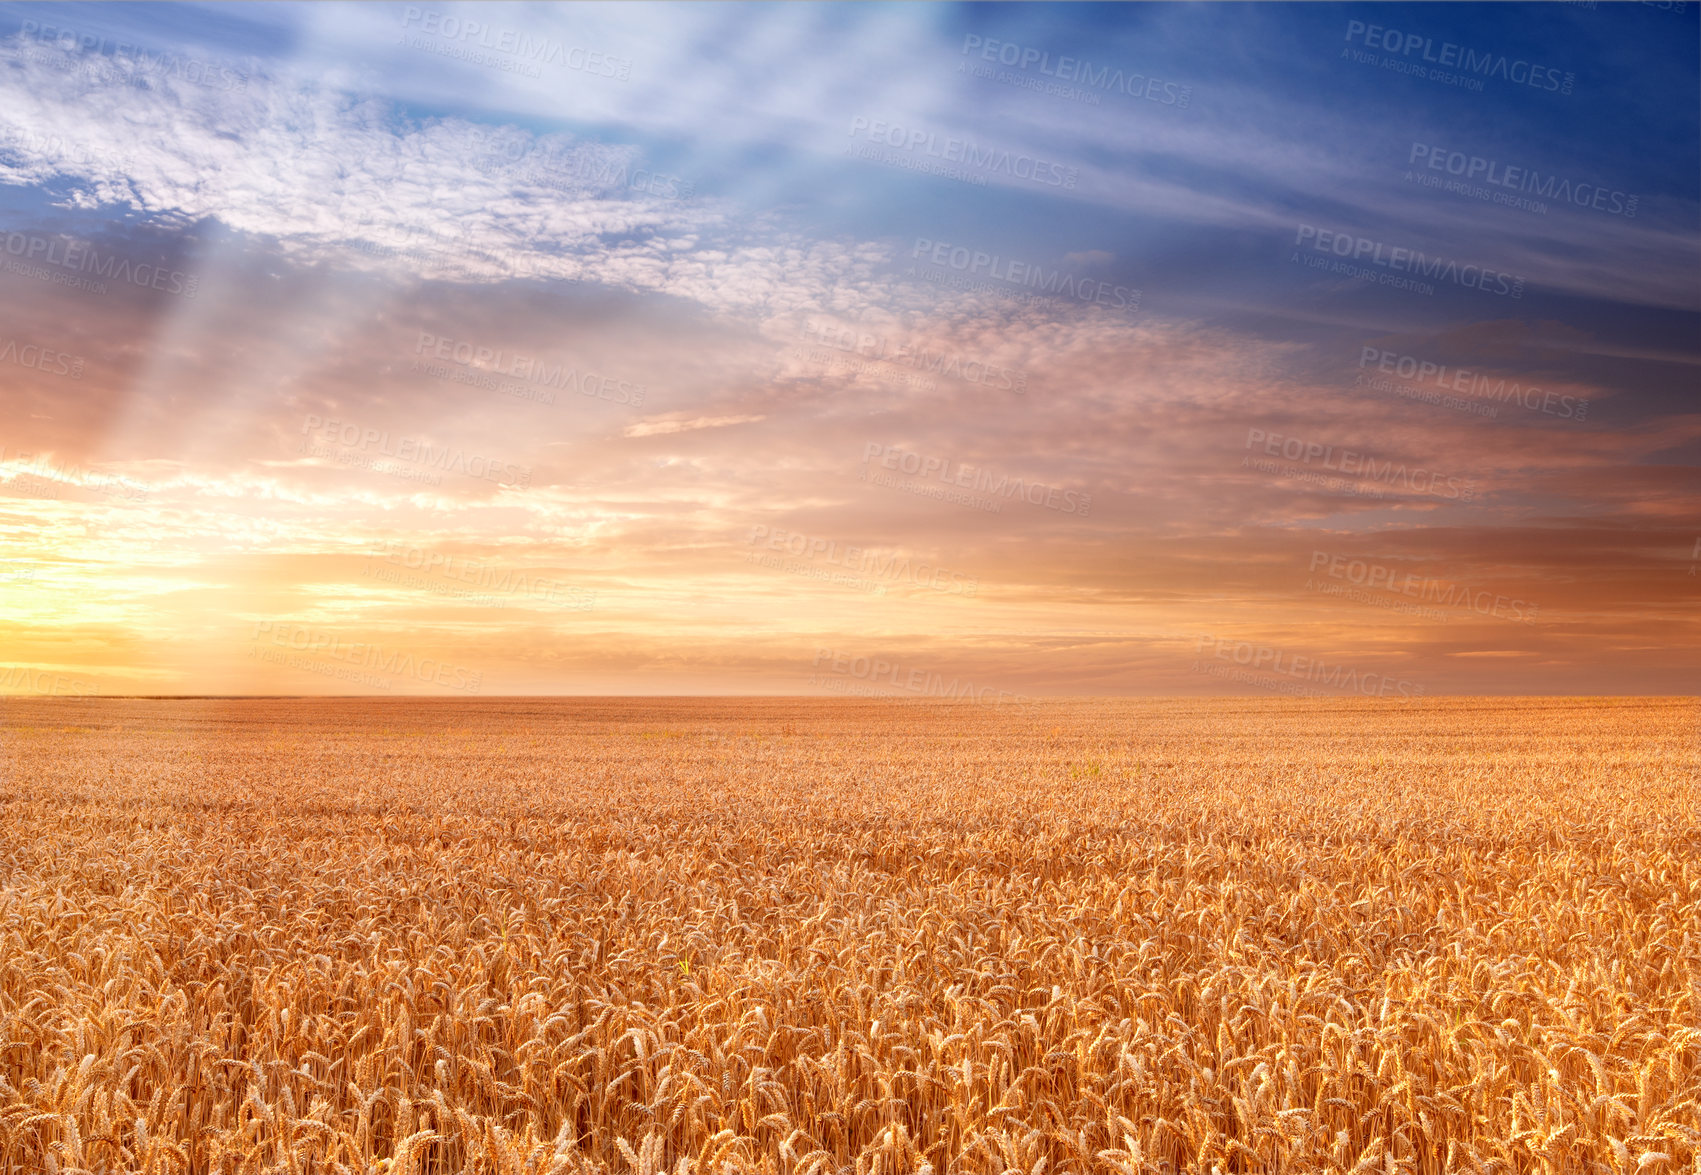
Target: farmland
[{"x": 801, "y": 936}]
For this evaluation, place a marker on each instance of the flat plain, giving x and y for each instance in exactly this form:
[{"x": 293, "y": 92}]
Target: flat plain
[{"x": 804, "y": 937}]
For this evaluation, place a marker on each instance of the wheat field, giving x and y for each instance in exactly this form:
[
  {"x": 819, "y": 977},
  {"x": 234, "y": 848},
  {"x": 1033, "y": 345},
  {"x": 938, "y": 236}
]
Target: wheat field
[{"x": 807, "y": 937}]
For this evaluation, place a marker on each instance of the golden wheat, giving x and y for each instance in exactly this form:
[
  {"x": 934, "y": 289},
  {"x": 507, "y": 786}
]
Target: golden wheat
[{"x": 804, "y": 938}]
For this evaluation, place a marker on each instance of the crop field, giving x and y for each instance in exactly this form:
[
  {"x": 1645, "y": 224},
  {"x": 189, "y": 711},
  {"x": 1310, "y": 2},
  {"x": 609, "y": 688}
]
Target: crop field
[{"x": 806, "y": 937}]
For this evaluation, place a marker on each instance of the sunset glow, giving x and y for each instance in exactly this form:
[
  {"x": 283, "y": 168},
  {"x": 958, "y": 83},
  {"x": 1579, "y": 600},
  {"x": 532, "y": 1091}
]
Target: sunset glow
[{"x": 849, "y": 350}]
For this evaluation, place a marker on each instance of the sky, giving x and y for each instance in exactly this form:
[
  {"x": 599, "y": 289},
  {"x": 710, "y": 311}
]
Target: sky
[{"x": 981, "y": 352}]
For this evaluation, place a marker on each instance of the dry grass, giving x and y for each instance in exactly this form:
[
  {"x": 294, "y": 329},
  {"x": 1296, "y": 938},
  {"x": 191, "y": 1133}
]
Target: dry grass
[{"x": 803, "y": 937}]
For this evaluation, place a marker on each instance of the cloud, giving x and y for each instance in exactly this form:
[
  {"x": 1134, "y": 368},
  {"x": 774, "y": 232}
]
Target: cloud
[
  {"x": 359, "y": 181},
  {"x": 665, "y": 427}
]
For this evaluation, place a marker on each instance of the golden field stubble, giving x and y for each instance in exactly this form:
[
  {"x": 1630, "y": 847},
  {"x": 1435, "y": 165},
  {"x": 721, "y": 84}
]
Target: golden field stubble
[{"x": 802, "y": 937}]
